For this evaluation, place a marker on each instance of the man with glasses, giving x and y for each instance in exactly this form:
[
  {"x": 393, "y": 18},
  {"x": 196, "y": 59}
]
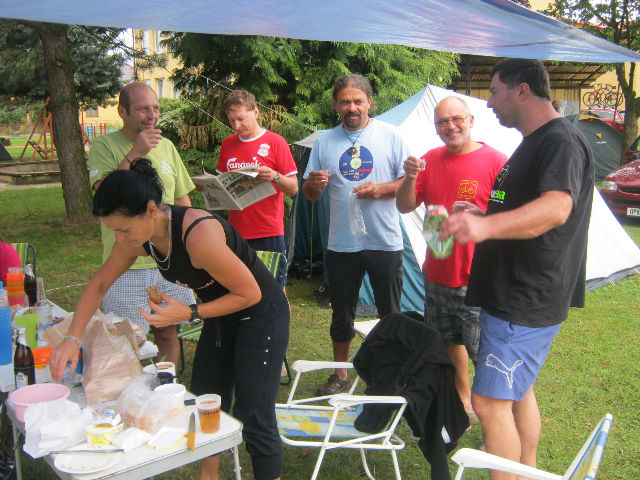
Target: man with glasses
[
  {"x": 139, "y": 109},
  {"x": 529, "y": 265},
  {"x": 458, "y": 175}
]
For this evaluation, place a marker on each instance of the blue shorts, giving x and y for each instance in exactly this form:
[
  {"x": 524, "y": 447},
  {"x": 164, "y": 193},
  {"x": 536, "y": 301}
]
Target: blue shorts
[{"x": 510, "y": 357}]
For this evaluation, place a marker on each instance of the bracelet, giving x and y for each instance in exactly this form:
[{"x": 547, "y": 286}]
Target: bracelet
[
  {"x": 126, "y": 157},
  {"x": 75, "y": 339}
]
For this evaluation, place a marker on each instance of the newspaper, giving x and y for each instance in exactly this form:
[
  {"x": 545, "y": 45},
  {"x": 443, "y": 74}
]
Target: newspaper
[{"x": 234, "y": 190}]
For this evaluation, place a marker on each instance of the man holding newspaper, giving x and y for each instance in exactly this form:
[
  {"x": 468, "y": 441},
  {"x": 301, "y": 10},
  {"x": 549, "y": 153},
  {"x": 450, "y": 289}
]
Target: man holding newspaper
[{"x": 269, "y": 156}]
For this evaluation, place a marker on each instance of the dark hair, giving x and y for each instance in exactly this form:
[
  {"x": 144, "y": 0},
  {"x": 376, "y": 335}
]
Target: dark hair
[
  {"x": 128, "y": 192},
  {"x": 355, "y": 80},
  {"x": 124, "y": 99},
  {"x": 514, "y": 71},
  {"x": 240, "y": 97}
]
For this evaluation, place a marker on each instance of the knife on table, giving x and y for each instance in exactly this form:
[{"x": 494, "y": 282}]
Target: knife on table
[
  {"x": 89, "y": 450},
  {"x": 191, "y": 433}
]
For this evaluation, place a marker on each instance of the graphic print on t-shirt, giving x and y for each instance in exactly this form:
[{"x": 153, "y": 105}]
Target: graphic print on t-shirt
[
  {"x": 467, "y": 189},
  {"x": 358, "y": 166},
  {"x": 234, "y": 163}
]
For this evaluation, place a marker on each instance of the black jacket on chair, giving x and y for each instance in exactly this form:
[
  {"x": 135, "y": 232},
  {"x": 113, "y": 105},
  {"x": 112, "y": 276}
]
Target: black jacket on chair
[{"x": 402, "y": 356}]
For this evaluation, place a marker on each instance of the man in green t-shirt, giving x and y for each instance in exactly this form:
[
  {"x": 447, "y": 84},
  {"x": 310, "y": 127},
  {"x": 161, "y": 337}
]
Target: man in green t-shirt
[{"x": 139, "y": 109}]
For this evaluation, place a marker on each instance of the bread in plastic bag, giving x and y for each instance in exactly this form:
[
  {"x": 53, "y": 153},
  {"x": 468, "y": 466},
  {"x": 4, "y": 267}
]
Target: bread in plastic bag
[
  {"x": 141, "y": 407},
  {"x": 110, "y": 356}
]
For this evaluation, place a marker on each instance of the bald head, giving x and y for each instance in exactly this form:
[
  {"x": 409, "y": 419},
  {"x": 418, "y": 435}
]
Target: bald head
[
  {"x": 124, "y": 100},
  {"x": 451, "y": 99},
  {"x": 453, "y": 121}
]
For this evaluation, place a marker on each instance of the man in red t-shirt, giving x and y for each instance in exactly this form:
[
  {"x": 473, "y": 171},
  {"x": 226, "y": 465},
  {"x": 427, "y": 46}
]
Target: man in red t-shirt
[
  {"x": 458, "y": 175},
  {"x": 261, "y": 224}
]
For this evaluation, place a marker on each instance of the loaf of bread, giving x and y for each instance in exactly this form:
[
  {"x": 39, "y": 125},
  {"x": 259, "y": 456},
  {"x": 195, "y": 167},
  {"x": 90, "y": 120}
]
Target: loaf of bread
[{"x": 154, "y": 294}]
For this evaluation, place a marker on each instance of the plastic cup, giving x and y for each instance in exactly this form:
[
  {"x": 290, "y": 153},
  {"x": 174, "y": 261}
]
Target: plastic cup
[
  {"x": 208, "y": 407},
  {"x": 30, "y": 322},
  {"x": 166, "y": 367}
]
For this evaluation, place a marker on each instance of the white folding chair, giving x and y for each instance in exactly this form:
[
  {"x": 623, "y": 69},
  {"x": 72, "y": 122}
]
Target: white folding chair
[
  {"x": 584, "y": 465},
  {"x": 326, "y": 422}
]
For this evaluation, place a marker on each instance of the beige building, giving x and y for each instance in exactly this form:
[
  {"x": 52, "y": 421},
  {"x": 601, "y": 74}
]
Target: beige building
[{"x": 157, "y": 78}]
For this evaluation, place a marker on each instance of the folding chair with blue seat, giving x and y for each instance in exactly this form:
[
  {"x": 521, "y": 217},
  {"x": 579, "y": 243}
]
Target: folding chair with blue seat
[
  {"x": 27, "y": 254},
  {"x": 276, "y": 263},
  {"x": 307, "y": 423},
  {"x": 584, "y": 466}
]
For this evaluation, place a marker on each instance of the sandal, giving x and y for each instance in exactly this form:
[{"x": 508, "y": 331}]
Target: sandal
[{"x": 334, "y": 385}]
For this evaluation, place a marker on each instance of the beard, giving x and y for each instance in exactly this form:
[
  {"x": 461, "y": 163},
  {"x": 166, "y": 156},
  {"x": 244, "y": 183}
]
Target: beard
[{"x": 352, "y": 121}]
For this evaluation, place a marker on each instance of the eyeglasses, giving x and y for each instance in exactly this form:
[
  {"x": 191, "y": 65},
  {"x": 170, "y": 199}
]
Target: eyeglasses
[{"x": 457, "y": 121}]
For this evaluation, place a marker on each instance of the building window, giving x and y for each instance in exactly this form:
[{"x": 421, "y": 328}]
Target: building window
[
  {"x": 145, "y": 42},
  {"x": 160, "y": 87},
  {"x": 91, "y": 112},
  {"x": 175, "y": 91},
  {"x": 148, "y": 82},
  {"x": 159, "y": 46}
]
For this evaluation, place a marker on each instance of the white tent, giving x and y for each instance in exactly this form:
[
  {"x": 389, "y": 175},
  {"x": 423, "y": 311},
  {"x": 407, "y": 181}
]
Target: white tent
[
  {"x": 611, "y": 255},
  {"x": 482, "y": 27}
]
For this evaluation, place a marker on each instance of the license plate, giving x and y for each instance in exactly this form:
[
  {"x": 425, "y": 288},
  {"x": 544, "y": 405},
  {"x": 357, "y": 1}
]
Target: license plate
[{"x": 633, "y": 212}]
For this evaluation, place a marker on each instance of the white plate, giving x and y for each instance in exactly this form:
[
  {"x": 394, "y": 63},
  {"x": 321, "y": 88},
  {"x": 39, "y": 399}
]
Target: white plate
[{"x": 78, "y": 463}]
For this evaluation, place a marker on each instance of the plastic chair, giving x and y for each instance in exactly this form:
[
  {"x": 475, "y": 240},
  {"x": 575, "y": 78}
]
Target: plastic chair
[
  {"x": 275, "y": 262},
  {"x": 584, "y": 465},
  {"x": 310, "y": 423},
  {"x": 27, "y": 254}
]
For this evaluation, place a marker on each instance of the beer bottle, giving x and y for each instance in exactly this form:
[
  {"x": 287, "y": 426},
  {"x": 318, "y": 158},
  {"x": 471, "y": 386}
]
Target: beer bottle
[{"x": 23, "y": 364}]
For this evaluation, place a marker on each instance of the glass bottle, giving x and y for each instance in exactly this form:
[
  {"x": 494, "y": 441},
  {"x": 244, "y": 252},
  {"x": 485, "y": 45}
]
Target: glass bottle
[
  {"x": 23, "y": 363},
  {"x": 30, "y": 285}
]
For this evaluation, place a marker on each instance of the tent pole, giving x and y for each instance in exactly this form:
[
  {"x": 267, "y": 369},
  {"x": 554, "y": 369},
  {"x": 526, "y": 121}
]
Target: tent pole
[{"x": 313, "y": 204}]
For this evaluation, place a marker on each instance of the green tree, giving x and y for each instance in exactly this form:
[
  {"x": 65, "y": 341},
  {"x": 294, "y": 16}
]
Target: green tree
[
  {"x": 619, "y": 22},
  {"x": 297, "y": 75},
  {"x": 67, "y": 64}
]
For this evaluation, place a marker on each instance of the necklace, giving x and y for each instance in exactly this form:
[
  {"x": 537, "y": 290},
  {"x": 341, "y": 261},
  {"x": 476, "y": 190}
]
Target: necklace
[
  {"x": 167, "y": 258},
  {"x": 352, "y": 149}
]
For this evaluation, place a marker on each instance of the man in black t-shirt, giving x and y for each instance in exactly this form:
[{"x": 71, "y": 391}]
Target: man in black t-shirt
[{"x": 530, "y": 260}]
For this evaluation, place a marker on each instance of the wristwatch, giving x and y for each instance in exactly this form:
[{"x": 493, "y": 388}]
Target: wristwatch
[
  {"x": 277, "y": 179},
  {"x": 195, "y": 316}
]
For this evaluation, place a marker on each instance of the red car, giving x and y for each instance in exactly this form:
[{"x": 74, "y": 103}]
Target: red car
[
  {"x": 621, "y": 188},
  {"x": 607, "y": 115}
]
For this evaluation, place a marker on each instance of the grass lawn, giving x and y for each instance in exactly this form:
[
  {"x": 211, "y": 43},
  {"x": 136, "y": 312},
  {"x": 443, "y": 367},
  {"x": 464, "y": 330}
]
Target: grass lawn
[{"x": 593, "y": 366}]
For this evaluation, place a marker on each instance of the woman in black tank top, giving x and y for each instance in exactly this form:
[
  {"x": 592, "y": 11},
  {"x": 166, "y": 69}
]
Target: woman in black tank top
[{"x": 245, "y": 312}]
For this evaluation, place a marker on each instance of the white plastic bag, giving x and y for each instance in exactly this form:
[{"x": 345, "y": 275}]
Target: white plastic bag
[
  {"x": 143, "y": 408},
  {"x": 55, "y": 425}
]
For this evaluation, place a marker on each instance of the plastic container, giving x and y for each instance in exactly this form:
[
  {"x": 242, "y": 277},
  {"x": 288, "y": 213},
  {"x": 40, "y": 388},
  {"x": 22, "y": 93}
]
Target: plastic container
[
  {"x": 41, "y": 357},
  {"x": 176, "y": 391},
  {"x": 40, "y": 392}
]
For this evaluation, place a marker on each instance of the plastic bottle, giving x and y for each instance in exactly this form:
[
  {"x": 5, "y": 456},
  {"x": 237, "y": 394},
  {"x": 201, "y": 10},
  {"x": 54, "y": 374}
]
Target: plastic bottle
[
  {"x": 43, "y": 309},
  {"x": 7, "y": 379},
  {"x": 4, "y": 299},
  {"x": 23, "y": 363}
]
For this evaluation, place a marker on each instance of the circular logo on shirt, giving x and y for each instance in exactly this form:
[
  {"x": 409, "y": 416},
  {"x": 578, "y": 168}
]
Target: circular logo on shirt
[{"x": 355, "y": 166}]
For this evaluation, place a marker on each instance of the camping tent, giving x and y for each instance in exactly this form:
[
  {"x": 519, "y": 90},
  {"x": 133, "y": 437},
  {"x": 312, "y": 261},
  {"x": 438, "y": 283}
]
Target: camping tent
[
  {"x": 605, "y": 142},
  {"x": 612, "y": 254}
]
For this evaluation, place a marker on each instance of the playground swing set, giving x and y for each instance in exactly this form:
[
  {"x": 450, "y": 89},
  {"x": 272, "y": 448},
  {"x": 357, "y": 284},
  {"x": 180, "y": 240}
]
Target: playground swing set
[{"x": 44, "y": 146}]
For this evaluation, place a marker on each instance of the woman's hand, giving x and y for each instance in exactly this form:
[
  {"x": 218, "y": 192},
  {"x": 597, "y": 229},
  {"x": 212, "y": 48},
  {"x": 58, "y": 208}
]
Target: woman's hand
[
  {"x": 172, "y": 313},
  {"x": 63, "y": 353}
]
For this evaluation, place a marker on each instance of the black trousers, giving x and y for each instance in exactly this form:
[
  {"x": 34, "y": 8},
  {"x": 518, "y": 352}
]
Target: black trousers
[
  {"x": 346, "y": 271},
  {"x": 246, "y": 355}
]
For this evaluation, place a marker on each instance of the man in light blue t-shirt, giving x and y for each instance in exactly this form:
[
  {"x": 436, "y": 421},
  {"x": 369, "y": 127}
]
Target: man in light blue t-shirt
[{"x": 361, "y": 163}]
